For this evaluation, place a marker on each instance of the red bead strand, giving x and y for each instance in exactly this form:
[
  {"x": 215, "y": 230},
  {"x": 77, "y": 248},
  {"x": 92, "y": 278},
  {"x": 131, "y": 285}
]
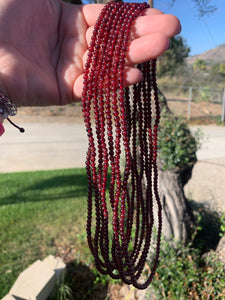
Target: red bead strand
[{"x": 122, "y": 152}]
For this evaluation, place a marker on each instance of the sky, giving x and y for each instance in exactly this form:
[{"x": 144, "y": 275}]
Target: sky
[{"x": 201, "y": 34}]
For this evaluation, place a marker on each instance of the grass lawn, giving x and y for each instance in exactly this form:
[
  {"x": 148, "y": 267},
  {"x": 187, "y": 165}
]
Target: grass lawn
[
  {"x": 44, "y": 213},
  {"x": 39, "y": 211}
]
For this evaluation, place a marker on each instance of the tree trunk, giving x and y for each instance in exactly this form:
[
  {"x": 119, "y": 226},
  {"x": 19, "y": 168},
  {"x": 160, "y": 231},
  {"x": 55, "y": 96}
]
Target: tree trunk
[
  {"x": 178, "y": 218},
  {"x": 163, "y": 103}
]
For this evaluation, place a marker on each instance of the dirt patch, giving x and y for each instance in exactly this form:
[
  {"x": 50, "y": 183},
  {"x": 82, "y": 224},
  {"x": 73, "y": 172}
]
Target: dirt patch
[
  {"x": 66, "y": 114},
  {"x": 88, "y": 284},
  {"x": 201, "y": 112}
]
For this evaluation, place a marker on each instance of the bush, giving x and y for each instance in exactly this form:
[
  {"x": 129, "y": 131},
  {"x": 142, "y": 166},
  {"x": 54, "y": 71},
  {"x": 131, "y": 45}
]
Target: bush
[
  {"x": 177, "y": 145},
  {"x": 184, "y": 274},
  {"x": 205, "y": 95}
]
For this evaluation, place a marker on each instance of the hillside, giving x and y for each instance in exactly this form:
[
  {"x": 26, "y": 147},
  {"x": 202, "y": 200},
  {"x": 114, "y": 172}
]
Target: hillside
[{"x": 214, "y": 55}]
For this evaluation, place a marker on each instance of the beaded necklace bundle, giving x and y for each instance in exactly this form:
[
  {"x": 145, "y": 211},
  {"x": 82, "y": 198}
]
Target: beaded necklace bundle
[{"x": 122, "y": 154}]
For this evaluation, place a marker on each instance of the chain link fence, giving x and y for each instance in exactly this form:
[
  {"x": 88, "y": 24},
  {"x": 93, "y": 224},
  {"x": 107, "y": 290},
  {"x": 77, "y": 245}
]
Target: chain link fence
[{"x": 196, "y": 102}]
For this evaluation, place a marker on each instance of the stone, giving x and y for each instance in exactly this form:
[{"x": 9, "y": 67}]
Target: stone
[
  {"x": 34, "y": 283},
  {"x": 56, "y": 264},
  {"x": 220, "y": 250},
  {"x": 9, "y": 297}
]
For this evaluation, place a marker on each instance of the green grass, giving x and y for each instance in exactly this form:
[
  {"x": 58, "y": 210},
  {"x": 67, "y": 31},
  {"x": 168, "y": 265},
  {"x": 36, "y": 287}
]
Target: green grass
[
  {"x": 42, "y": 212},
  {"x": 39, "y": 211}
]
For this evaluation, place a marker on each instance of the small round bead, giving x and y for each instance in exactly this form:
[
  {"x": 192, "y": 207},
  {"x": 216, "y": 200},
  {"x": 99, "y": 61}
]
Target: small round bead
[{"x": 118, "y": 121}]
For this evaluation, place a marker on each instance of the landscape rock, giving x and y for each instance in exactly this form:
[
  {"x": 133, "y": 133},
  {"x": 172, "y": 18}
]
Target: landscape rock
[
  {"x": 56, "y": 264},
  {"x": 9, "y": 297},
  {"x": 220, "y": 250},
  {"x": 38, "y": 280},
  {"x": 34, "y": 283}
]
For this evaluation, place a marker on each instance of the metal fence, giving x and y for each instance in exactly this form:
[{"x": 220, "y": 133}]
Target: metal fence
[{"x": 195, "y": 102}]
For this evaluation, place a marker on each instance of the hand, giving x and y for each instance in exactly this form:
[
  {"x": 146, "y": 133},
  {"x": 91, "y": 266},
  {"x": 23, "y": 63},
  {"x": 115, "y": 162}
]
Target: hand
[{"x": 44, "y": 43}]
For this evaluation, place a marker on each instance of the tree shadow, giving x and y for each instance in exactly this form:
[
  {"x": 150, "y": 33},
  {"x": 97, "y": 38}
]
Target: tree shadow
[
  {"x": 207, "y": 237},
  {"x": 54, "y": 188},
  {"x": 83, "y": 282}
]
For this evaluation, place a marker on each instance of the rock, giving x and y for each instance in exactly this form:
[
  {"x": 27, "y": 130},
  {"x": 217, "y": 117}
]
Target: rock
[
  {"x": 56, "y": 264},
  {"x": 9, "y": 297},
  {"x": 220, "y": 250},
  {"x": 38, "y": 280},
  {"x": 34, "y": 283}
]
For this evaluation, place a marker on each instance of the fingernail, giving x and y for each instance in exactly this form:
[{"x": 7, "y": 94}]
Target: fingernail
[
  {"x": 2, "y": 129},
  {"x": 140, "y": 78}
]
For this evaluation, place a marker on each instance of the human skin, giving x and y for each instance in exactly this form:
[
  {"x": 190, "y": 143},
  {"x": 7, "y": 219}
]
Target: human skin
[{"x": 44, "y": 44}]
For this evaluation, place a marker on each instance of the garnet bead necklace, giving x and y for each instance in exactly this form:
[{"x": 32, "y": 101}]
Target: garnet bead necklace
[{"x": 122, "y": 126}]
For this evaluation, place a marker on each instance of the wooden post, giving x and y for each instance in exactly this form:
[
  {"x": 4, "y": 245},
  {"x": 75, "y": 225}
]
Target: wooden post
[{"x": 223, "y": 109}]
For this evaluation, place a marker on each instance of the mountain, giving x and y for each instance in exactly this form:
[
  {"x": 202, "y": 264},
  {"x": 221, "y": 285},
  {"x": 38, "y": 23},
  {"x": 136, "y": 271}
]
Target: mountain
[{"x": 214, "y": 55}]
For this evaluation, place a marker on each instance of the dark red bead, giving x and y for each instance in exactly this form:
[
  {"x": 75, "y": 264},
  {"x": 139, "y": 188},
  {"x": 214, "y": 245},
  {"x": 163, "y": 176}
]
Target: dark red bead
[{"x": 121, "y": 125}]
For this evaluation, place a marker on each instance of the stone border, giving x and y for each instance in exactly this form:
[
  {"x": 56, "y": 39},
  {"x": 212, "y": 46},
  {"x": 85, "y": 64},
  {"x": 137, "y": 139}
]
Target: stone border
[{"x": 38, "y": 280}]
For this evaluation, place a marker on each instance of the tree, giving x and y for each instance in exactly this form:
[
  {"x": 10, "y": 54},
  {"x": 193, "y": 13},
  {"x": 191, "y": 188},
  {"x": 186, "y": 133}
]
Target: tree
[
  {"x": 203, "y": 7},
  {"x": 177, "y": 215},
  {"x": 216, "y": 74},
  {"x": 222, "y": 70},
  {"x": 174, "y": 57},
  {"x": 177, "y": 156},
  {"x": 199, "y": 64}
]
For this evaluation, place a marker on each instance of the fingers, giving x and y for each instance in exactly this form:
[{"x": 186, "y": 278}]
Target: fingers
[
  {"x": 91, "y": 12},
  {"x": 150, "y": 38},
  {"x": 131, "y": 76},
  {"x": 151, "y": 34},
  {"x": 146, "y": 48},
  {"x": 169, "y": 25}
]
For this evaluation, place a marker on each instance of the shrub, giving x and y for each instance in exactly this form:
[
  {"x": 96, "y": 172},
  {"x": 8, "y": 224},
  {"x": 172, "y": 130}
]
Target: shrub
[
  {"x": 184, "y": 274},
  {"x": 205, "y": 94},
  {"x": 177, "y": 145}
]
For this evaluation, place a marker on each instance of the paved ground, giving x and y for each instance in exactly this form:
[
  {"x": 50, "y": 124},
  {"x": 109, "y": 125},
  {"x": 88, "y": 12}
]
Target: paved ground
[
  {"x": 43, "y": 146},
  {"x": 53, "y": 146},
  {"x": 207, "y": 184}
]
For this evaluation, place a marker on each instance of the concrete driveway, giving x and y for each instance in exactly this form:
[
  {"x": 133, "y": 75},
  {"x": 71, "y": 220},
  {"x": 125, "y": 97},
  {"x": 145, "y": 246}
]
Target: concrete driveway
[
  {"x": 207, "y": 185},
  {"x": 46, "y": 146},
  {"x": 43, "y": 146}
]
